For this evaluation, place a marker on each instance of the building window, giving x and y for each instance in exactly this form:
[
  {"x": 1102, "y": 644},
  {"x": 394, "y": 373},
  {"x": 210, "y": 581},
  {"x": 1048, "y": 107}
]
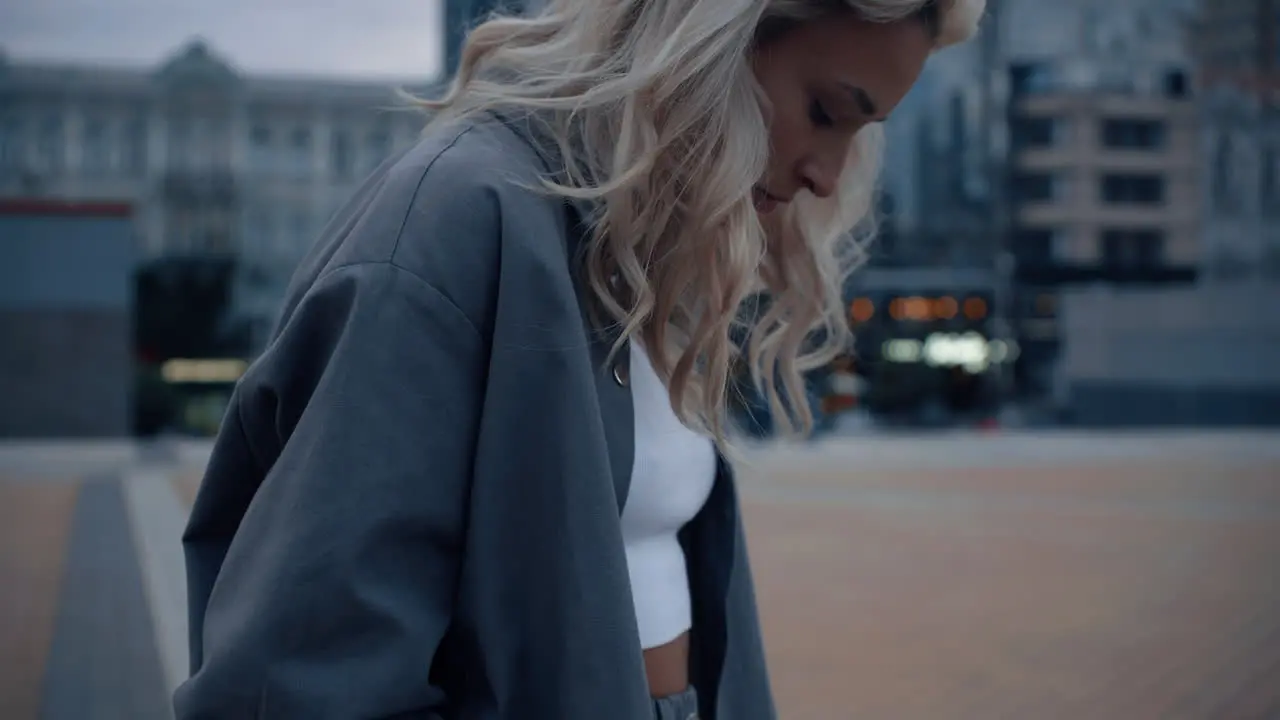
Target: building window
[
  {"x": 261, "y": 152},
  {"x": 1222, "y": 188},
  {"x": 1129, "y": 249},
  {"x": 299, "y": 233},
  {"x": 1034, "y": 187},
  {"x": 1037, "y": 247},
  {"x": 50, "y": 145},
  {"x": 214, "y": 142},
  {"x": 1036, "y": 302},
  {"x": 180, "y": 132},
  {"x": 216, "y": 235},
  {"x": 1176, "y": 85},
  {"x": 1045, "y": 304},
  {"x": 1269, "y": 182},
  {"x": 134, "y": 151},
  {"x": 1035, "y": 132},
  {"x": 300, "y": 151},
  {"x": 341, "y": 155},
  {"x": 259, "y": 232},
  {"x": 413, "y": 128},
  {"x": 1133, "y": 134},
  {"x": 179, "y": 231},
  {"x": 1031, "y": 78},
  {"x": 95, "y": 147},
  {"x": 11, "y": 146},
  {"x": 260, "y": 137},
  {"x": 378, "y": 145},
  {"x": 1132, "y": 189}
]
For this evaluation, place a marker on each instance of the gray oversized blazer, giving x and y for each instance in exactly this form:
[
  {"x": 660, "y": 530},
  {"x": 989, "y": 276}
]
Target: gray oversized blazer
[{"x": 412, "y": 508}]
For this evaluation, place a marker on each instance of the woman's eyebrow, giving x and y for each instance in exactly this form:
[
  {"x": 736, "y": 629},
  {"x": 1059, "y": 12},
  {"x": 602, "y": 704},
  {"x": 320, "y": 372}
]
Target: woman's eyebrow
[{"x": 864, "y": 101}]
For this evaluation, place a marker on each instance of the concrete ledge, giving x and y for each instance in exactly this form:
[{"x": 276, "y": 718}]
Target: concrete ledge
[{"x": 1117, "y": 404}]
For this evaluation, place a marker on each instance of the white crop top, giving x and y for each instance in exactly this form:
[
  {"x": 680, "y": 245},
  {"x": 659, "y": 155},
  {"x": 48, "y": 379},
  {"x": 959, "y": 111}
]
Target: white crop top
[{"x": 671, "y": 479}]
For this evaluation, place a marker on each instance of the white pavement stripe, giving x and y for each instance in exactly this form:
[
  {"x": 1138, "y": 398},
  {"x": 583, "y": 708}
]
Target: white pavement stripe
[{"x": 157, "y": 518}]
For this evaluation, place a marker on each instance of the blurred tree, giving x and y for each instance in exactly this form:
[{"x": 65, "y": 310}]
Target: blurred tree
[
  {"x": 155, "y": 402},
  {"x": 183, "y": 309}
]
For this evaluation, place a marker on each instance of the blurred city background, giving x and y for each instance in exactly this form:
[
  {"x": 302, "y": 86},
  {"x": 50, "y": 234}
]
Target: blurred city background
[{"x": 1045, "y": 481}]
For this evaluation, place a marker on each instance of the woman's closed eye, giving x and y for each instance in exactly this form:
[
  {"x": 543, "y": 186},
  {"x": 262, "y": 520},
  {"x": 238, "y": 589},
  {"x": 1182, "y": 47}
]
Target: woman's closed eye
[{"x": 818, "y": 115}]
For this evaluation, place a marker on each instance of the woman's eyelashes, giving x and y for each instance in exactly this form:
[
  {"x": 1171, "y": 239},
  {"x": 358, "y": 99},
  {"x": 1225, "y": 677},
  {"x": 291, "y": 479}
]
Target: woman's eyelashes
[{"x": 818, "y": 115}]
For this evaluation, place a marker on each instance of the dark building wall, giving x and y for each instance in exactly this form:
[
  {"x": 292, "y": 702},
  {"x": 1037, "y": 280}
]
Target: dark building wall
[
  {"x": 59, "y": 262},
  {"x": 1129, "y": 404},
  {"x": 66, "y": 366},
  {"x": 65, "y": 373},
  {"x": 1206, "y": 355}
]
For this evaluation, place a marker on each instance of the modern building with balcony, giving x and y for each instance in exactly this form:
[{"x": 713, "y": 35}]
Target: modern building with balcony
[
  {"x": 1105, "y": 184},
  {"x": 1103, "y": 169}
]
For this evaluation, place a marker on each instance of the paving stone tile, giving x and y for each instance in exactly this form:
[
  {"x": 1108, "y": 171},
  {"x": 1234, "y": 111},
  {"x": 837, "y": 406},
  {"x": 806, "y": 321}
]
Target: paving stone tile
[{"x": 35, "y": 524}]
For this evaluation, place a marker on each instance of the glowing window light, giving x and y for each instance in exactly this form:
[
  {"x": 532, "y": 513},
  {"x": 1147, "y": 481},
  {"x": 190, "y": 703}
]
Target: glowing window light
[
  {"x": 968, "y": 351},
  {"x": 1002, "y": 351},
  {"x": 917, "y": 308},
  {"x": 862, "y": 310},
  {"x": 902, "y": 350},
  {"x": 202, "y": 371}
]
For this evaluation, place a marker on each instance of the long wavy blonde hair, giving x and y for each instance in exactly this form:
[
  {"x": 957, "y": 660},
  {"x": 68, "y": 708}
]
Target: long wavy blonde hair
[{"x": 660, "y": 120}]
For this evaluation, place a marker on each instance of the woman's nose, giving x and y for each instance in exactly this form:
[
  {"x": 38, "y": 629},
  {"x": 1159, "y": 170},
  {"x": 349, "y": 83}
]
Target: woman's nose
[{"x": 818, "y": 178}]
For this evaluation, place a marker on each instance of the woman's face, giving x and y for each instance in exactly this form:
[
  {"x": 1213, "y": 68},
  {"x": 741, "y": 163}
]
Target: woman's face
[{"x": 824, "y": 81}]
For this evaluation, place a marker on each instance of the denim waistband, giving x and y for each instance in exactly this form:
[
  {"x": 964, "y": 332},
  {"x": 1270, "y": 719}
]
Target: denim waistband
[{"x": 681, "y": 706}]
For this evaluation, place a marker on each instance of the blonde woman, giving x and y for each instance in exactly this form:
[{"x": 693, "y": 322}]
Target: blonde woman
[{"x": 478, "y": 471}]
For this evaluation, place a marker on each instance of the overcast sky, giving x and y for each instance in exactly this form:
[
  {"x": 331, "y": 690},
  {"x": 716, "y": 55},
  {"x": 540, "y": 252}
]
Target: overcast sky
[{"x": 398, "y": 38}]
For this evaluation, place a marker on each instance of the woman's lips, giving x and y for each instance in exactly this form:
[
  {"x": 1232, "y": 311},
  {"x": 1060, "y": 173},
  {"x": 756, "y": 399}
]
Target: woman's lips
[{"x": 764, "y": 201}]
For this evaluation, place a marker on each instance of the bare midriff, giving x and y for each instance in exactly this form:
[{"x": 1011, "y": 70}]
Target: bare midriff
[{"x": 667, "y": 667}]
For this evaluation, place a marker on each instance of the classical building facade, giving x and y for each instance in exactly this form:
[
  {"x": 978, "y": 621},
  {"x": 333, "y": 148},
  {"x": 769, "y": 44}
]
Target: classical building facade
[
  {"x": 461, "y": 15},
  {"x": 1241, "y": 156},
  {"x": 1237, "y": 53},
  {"x": 214, "y": 161},
  {"x": 1237, "y": 43}
]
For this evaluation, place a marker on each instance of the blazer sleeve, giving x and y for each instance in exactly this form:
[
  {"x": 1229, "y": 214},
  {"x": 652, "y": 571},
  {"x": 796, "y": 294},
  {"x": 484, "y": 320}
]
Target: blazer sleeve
[{"x": 337, "y": 587}]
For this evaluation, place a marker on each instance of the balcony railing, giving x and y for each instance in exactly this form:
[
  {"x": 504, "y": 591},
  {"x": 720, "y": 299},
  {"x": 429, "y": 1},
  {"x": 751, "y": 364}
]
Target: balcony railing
[{"x": 199, "y": 187}]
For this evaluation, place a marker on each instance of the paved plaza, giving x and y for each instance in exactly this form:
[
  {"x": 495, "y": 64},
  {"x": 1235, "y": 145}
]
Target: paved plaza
[{"x": 1125, "y": 576}]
